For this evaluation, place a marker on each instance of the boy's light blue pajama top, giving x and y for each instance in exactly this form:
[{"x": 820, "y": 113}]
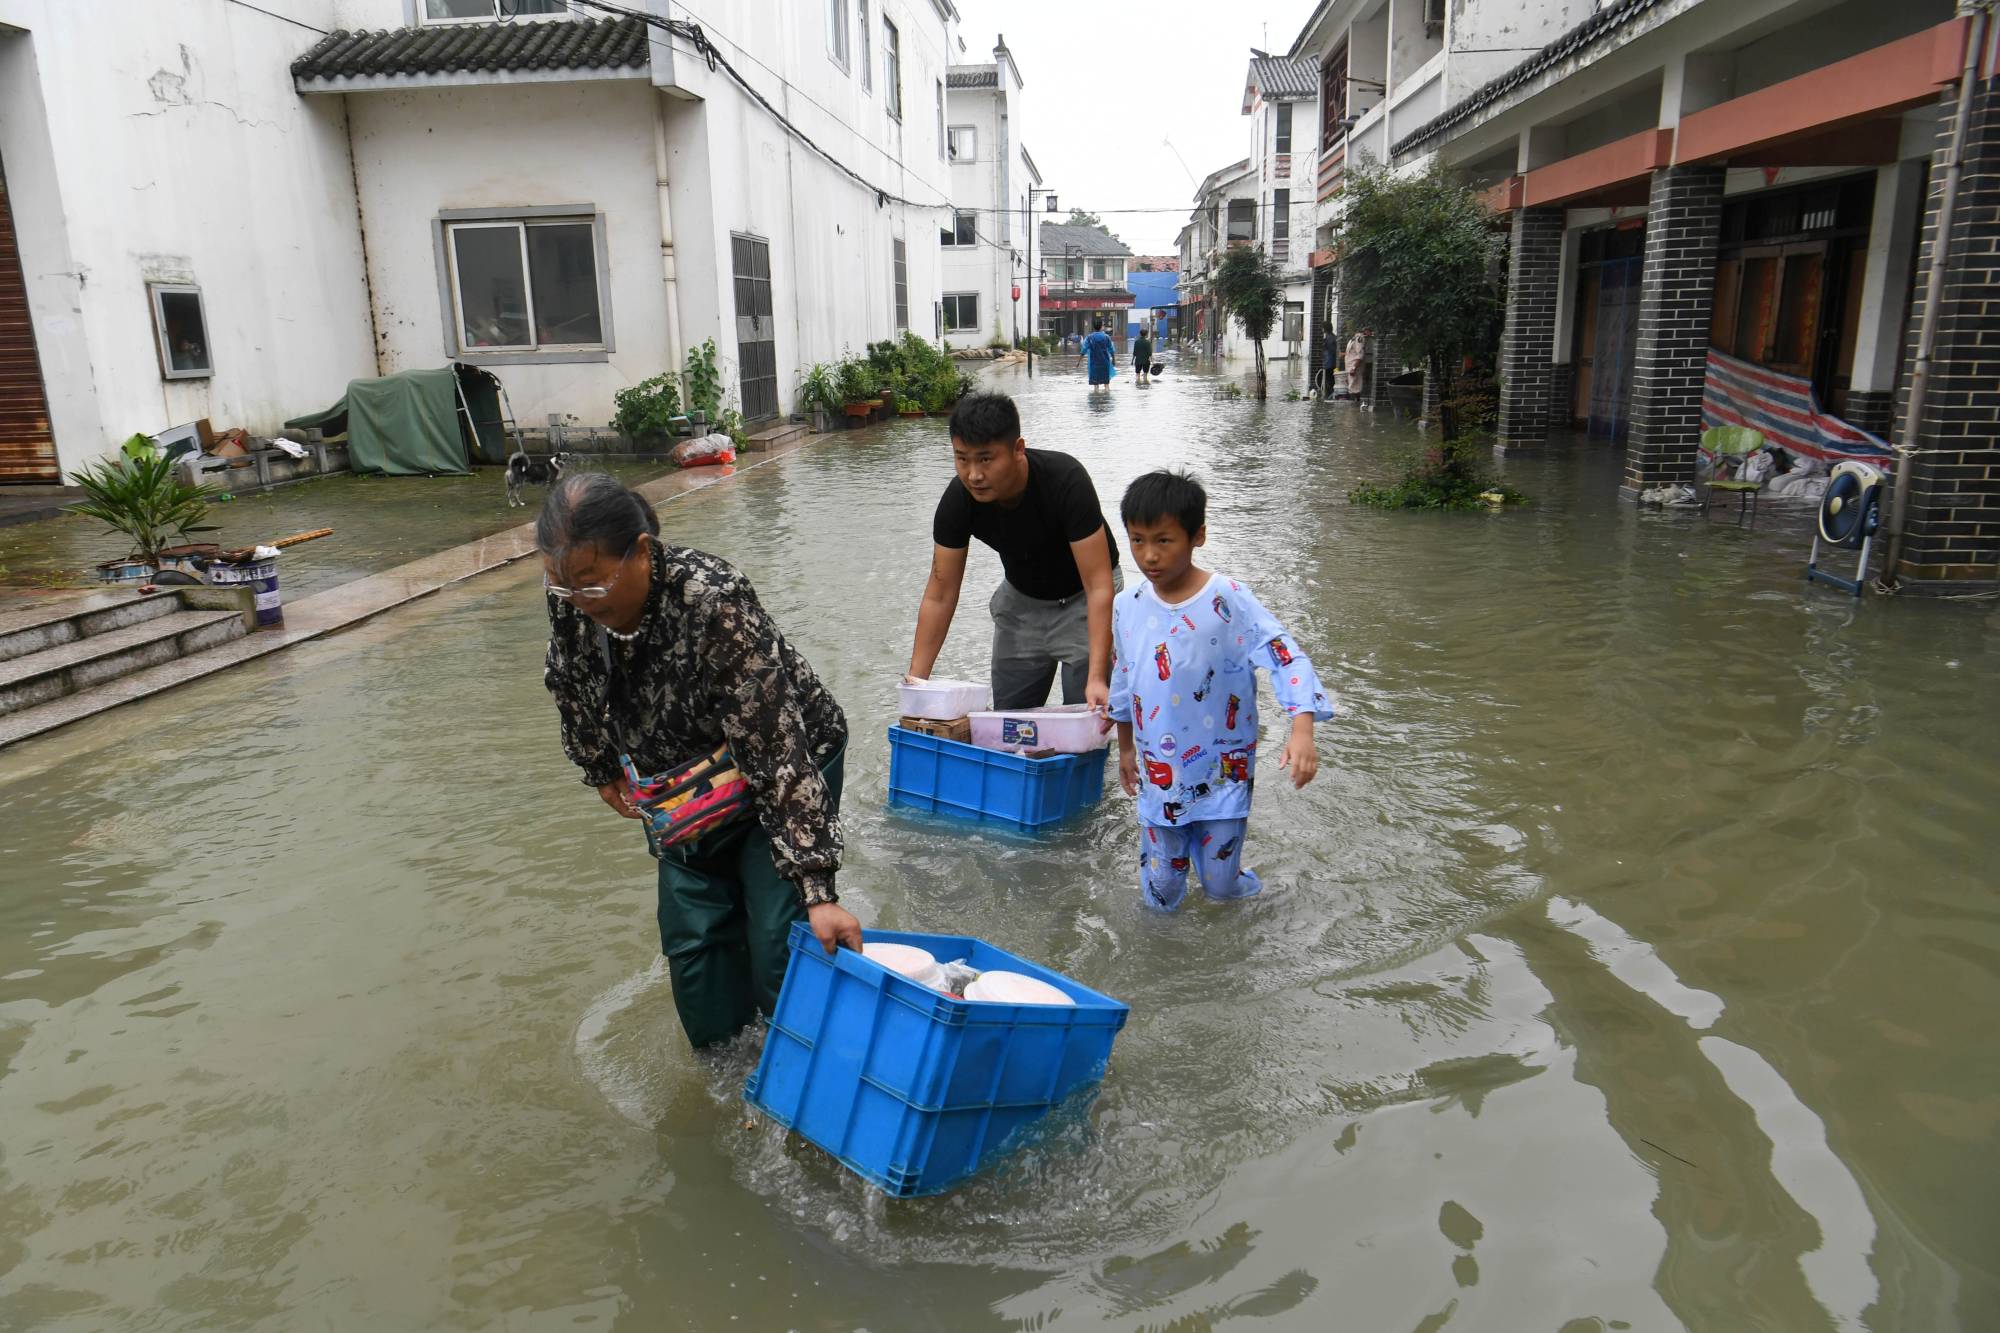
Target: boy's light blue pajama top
[{"x": 1185, "y": 678}]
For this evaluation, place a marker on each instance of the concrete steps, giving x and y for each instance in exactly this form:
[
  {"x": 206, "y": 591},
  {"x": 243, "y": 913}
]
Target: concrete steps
[
  {"x": 776, "y": 437},
  {"x": 53, "y": 659}
]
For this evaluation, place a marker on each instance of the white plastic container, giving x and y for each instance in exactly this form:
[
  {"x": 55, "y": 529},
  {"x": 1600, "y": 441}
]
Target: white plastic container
[
  {"x": 1014, "y": 988},
  {"x": 919, "y": 965},
  {"x": 943, "y": 700},
  {"x": 1067, "y": 729}
]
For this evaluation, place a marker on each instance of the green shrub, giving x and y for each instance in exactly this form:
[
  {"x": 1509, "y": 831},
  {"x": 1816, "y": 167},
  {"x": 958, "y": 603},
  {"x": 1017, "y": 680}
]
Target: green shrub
[
  {"x": 648, "y": 407},
  {"x": 142, "y": 498},
  {"x": 704, "y": 382},
  {"x": 820, "y": 386},
  {"x": 856, "y": 380}
]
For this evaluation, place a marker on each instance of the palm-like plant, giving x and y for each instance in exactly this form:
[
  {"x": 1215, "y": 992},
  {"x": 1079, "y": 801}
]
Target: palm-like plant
[{"x": 142, "y": 498}]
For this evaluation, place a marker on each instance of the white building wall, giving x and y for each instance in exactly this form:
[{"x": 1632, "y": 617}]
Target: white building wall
[
  {"x": 734, "y": 169},
  {"x": 165, "y": 143},
  {"x": 985, "y": 267},
  {"x": 421, "y": 152}
]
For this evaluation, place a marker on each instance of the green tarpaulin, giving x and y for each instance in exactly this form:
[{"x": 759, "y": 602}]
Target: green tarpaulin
[{"x": 410, "y": 424}]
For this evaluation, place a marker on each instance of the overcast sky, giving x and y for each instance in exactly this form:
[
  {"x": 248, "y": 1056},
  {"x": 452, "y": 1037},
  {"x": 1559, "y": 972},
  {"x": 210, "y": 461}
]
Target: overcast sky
[{"x": 1106, "y": 82}]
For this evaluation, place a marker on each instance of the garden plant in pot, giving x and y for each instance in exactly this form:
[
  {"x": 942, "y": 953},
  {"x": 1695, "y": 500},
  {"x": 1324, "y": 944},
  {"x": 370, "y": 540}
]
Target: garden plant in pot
[
  {"x": 819, "y": 392},
  {"x": 140, "y": 496},
  {"x": 857, "y": 388},
  {"x": 647, "y": 410}
]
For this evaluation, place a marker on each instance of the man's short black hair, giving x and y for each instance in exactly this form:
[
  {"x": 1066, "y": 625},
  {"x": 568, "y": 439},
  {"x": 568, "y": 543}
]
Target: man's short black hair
[
  {"x": 1165, "y": 494},
  {"x": 986, "y": 418},
  {"x": 1097, "y": 325}
]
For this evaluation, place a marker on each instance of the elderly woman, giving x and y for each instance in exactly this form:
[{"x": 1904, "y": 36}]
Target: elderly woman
[{"x": 686, "y": 708}]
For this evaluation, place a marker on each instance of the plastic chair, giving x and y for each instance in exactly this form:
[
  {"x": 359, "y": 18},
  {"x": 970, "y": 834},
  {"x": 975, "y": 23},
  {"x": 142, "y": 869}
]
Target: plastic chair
[{"x": 1727, "y": 444}]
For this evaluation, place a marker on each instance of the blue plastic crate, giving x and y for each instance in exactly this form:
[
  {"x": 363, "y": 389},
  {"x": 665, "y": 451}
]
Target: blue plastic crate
[
  {"x": 948, "y": 777},
  {"x": 909, "y": 1087}
]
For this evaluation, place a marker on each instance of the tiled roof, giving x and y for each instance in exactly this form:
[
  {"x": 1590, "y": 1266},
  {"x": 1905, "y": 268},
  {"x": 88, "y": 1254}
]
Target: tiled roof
[
  {"x": 972, "y": 76},
  {"x": 1057, "y": 237},
  {"x": 607, "y": 43},
  {"x": 1282, "y": 78}
]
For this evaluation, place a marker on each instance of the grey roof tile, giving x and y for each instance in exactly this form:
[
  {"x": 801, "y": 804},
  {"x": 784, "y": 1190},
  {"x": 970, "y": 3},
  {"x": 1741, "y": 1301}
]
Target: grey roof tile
[
  {"x": 1059, "y": 236},
  {"x": 1284, "y": 78},
  {"x": 972, "y": 76},
  {"x": 607, "y": 43}
]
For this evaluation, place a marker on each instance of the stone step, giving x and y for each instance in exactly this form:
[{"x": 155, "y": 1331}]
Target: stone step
[
  {"x": 776, "y": 437},
  {"x": 69, "y": 619},
  {"x": 73, "y": 667}
]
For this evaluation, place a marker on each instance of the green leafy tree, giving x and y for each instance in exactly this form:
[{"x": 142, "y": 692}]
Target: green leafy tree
[
  {"x": 141, "y": 496},
  {"x": 1079, "y": 218},
  {"x": 1246, "y": 286},
  {"x": 1417, "y": 262}
]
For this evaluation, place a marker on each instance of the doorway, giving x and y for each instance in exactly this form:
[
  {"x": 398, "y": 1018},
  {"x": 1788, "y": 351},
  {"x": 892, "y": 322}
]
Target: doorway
[
  {"x": 1606, "y": 329},
  {"x": 27, "y": 444},
  {"x": 756, "y": 331}
]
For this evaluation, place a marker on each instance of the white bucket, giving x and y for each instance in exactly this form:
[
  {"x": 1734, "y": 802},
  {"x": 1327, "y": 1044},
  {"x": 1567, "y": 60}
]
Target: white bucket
[
  {"x": 907, "y": 960},
  {"x": 942, "y": 700},
  {"x": 1014, "y": 988}
]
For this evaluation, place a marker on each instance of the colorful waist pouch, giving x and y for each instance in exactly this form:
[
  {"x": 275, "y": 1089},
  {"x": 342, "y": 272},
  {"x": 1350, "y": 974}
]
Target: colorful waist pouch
[{"x": 686, "y": 802}]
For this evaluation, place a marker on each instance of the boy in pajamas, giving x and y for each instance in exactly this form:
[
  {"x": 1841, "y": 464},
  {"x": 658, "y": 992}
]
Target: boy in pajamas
[{"x": 1187, "y": 645}]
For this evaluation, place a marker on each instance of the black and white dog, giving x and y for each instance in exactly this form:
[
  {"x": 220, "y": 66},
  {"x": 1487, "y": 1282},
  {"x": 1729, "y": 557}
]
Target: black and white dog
[{"x": 525, "y": 471}]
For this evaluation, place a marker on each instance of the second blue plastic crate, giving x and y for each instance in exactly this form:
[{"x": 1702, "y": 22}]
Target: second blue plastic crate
[
  {"x": 912, "y": 1089},
  {"x": 948, "y": 777}
]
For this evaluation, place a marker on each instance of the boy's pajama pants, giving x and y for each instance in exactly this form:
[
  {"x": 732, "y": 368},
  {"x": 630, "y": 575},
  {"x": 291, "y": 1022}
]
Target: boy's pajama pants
[{"x": 1211, "y": 847}]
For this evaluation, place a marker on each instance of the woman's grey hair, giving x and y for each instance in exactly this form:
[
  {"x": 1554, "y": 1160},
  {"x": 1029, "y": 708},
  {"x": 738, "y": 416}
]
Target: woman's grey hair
[{"x": 593, "y": 508}]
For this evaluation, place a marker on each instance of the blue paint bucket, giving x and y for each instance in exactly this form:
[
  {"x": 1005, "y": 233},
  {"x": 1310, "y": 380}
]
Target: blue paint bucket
[{"x": 261, "y": 576}]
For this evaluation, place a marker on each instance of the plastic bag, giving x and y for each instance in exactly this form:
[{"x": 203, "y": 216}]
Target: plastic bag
[
  {"x": 706, "y": 450},
  {"x": 1758, "y": 467}
]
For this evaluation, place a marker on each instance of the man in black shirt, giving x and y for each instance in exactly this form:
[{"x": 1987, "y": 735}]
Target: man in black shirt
[{"x": 1038, "y": 509}]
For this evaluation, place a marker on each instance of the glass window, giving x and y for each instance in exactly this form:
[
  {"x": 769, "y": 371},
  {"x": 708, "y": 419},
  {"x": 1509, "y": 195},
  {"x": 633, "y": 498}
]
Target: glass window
[
  {"x": 487, "y": 11},
  {"x": 940, "y": 119},
  {"x": 961, "y": 312},
  {"x": 964, "y": 140},
  {"x": 1333, "y": 99},
  {"x": 181, "y": 329},
  {"x": 836, "y": 31},
  {"x": 964, "y": 230},
  {"x": 867, "y": 45},
  {"x": 1281, "y": 222},
  {"x": 892, "y": 76},
  {"x": 1284, "y": 144},
  {"x": 525, "y": 285},
  {"x": 901, "y": 256}
]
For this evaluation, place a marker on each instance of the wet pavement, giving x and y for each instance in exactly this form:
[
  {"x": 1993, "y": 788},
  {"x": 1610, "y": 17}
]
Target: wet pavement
[
  {"x": 378, "y": 523},
  {"x": 1629, "y": 964}
]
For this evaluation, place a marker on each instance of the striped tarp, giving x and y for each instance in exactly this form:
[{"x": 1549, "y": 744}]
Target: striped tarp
[{"x": 1784, "y": 409}]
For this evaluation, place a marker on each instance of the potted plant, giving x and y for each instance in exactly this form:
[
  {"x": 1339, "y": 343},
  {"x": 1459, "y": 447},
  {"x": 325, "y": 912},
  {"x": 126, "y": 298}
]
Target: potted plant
[
  {"x": 646, "y": 411},
  {"x": 819, "y": 392},
  {"x": 908, "y": 407},
  {"x": 140, "y": 496},
  {"x": 856, "y": 380}
]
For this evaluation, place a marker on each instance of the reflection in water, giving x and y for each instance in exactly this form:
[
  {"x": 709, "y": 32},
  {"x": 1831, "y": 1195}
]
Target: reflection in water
[{"x": 1620, "y": 969}]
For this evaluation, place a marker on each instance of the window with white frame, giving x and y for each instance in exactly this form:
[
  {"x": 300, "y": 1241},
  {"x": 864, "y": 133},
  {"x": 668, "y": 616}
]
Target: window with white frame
[
  {"x": 963, "y": 141},
  {"x": 488, "y": 11},
  {"x": 1104, "y": 270},
  {"x": 1284, "y": 129},
  {"x": 867, "y": 45},
  {"x": 526, "y": 284},
  {"x": 961, "y": 312},
  {"x": 892, "y": 74},
  {"x": 180, "y": 329},
  {"x": 940, "y": 119},
  {"x": 964, "y": 230},
  {"x": 836, "y": 31}
]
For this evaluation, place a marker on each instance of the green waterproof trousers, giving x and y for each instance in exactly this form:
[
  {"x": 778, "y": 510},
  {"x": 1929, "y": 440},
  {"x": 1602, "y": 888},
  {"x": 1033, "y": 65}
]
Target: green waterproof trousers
[{"x": 725, "y": 919}]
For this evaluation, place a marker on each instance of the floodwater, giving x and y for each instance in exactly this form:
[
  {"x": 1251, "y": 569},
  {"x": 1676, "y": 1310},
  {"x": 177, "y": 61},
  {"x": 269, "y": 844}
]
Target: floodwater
[{"x": 1631, "y": 965}]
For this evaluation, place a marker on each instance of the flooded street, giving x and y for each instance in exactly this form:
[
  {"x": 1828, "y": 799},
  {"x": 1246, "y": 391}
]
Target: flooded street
[{"x": 1630, "y": 965}]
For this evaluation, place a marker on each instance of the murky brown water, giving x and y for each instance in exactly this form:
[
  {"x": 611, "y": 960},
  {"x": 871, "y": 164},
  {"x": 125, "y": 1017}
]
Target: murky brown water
[{"x": 1632, "y": 964}]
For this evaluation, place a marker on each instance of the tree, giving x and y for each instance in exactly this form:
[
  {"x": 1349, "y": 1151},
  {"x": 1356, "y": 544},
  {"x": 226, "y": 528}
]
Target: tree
[
  {"x": 1417, "y": 262},
  {"x": 1246, "y": 286},
  {"x": 1079, "y": 218}
]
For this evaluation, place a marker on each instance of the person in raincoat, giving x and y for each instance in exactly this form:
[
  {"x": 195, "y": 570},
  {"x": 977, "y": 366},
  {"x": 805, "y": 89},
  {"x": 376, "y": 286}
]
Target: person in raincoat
[{"x": 1100, "y": 357}]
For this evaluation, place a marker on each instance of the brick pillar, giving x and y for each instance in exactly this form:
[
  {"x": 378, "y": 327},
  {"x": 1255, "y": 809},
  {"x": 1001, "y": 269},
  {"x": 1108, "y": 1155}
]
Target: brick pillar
[
  {"x": 1953, "y": 524},
  {"x": 1433, "y": 395},
  {"x": 1562, "y": 391},
  {"x": 1683, "y": 217},
  {"x": 1383, "y": 365},
  {"x": 1872, "y": 410},
  {"x": 1527, "y": 346}
]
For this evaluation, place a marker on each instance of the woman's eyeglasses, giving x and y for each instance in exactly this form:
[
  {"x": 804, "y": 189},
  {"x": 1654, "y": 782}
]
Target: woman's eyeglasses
[{"x": 593, "y": 592}]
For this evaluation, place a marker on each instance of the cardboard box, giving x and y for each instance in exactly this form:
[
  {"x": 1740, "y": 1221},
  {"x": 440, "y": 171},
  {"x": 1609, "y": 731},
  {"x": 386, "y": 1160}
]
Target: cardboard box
[{"x": 957, "y": 729}]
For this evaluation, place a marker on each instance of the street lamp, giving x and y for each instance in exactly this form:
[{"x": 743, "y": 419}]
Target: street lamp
[{"x": 1072, "y": 260}]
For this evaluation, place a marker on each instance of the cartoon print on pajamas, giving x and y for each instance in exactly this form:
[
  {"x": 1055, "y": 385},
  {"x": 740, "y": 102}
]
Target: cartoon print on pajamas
[
  {"x": 1196, "y": 774},
  {"x": 1207, "y": 848}
]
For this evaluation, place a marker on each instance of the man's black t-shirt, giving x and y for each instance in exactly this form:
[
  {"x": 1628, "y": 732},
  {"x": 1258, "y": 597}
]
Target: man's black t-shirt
[{"x": 1033, "y": 536}]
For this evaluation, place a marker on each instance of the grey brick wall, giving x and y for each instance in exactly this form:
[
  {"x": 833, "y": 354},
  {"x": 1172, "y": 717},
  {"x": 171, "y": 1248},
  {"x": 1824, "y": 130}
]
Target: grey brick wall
[
  {"x": 1562, "y": 393},
  {"x": 1527, "y": 345},
  {"x": 1683, "y": 218},
  {"x": 1872, "y": 410},
  {"x": 1385, "y": 363},
  {"x": 1954, "y": 507}
]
